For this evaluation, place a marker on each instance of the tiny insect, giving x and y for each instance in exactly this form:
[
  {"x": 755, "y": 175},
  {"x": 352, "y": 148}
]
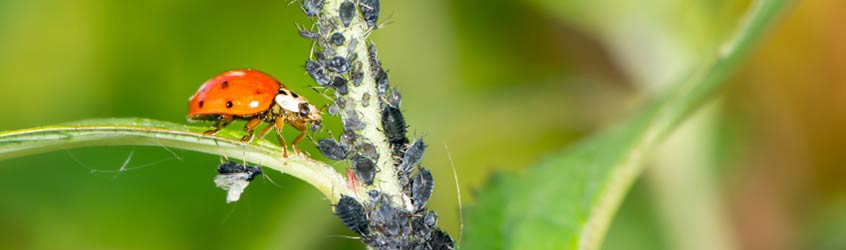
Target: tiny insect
[
  {"x": 441, "y": 241},
  {"x": 373, "y": 56},
  {"x": 331, "y": 149},
  {"x": 340, "y": 85},
  {"x": 312, "y": 7},
  {"x": 394, "y": 98},
  {"x": 382, "y": 82},
  {"x": 338, "y": 64},
  {"x": 352, "y": 122},
  {"x": 308, "y": 34},
  {"x": 338, "y": 39},
  {"x": 352, "y": 214},
  {"x": 234, "y": 178},
  {"x": 421, "y": 188},
  {"x": 394, "y": 125},
  {"x": 251, "y": 95},
  {"x": 368, "y": 150},
  {"x": 370, "y": 11},
  {"x": 386, "y": 217},
  {"x": 346, "y": 12},
  {"x": 349, "y": 138},
  {"x": 316, "y": 71},
  {"x": 364, "y": 168},
  {"x": 365, "y": 99},
  {"x": 412, "y": 156}
]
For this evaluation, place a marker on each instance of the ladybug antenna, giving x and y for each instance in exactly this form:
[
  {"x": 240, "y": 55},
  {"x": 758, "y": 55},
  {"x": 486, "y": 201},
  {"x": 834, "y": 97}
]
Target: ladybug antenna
[{"x": 322, "y": 93}]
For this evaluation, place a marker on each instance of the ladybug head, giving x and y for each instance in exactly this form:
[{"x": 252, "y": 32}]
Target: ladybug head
[{"x": 310, "y": 112}]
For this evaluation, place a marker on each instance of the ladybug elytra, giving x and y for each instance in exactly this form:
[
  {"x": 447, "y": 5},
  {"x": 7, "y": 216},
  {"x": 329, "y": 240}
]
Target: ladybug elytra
[{"x": 251, "y": 95}]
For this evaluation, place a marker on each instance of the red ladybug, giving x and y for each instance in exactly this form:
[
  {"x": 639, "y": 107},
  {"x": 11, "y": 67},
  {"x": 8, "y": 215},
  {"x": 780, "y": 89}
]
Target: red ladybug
[{"x": 246, "y": 94}]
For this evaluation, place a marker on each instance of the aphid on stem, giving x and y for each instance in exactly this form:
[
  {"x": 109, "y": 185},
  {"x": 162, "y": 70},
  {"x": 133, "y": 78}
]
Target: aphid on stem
[{"x": 352, "y": 214}]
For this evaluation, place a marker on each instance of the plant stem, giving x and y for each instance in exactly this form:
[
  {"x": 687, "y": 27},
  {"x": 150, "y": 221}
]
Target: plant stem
[{"x": 154, "y": 133}]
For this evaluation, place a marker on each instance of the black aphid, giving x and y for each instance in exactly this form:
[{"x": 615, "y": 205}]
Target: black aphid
[
  {"x": 352, "y": 122},
  {"x": 382, "y": 82},
  {"x": 333, "y": 109},
  {"x": 352, "y": 214},
  {"x": 338, "y": 64},
  {"x": 390, "y": 220},
  {"x": 373, "y": 56},
  {"x": 370, "y": 11},
  {"x": 421, "y": 188},
  {"x": 412, "y": 156},
  {"x": 346, "y": 12},
  {"x": 368, "y": 150},
  {"x": 231, "y": 167},
  {"x": 338, "y": 39},
  {"x": 365, "y": 99},
  {"x": 394, "y": 125},
  {"x": 312, "y": 7},
  {"x": 430, "y": 219},
  {"x": 364, "y": 169},
  {"x": 308, "y": 34},
  {"x": 348, "y": 138},
  {"x": 394, "y": 98},
  {"x": 316, "y": 71},
  {"x": 441, "y": 241},
  {"x": 331, "y": 149},
  {"x": 340, "y": 85}
]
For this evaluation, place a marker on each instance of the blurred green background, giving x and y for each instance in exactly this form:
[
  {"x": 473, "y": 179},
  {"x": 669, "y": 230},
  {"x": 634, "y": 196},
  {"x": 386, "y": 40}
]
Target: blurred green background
[{"x": 761, "y": 168}]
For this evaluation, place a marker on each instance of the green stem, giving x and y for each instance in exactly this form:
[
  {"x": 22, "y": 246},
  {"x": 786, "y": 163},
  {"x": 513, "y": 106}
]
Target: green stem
[
  {"x": 123, "y": 132},
  {"x": 666, "y": 114}
]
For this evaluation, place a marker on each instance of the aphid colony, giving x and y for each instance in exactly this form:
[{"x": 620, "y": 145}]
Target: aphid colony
[{"x": 380, "y": 223}]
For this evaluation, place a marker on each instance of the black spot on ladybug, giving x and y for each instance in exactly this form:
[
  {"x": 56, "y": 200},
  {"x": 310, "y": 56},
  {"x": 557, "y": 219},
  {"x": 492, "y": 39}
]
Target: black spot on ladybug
[
  {"x": 346, "y": 12},
  {"x": 352, "y": 214},
  {"x": 294, "y": 95},
  {"x": 228, "y": 104},
  {"x": 224, "y": 85},
  {"x": 283, "y": 92},
  {"x": 338, "y": 39},
  {"x": 201, "y": 104}
]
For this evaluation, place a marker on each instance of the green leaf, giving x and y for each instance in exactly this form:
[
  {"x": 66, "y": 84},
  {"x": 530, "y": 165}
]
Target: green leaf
[
  {"x": 568, "y": 200},
  {"x": 145, "y": 132}
]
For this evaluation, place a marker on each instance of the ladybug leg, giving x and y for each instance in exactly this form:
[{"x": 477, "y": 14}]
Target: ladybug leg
[
  {"x": 264, "y": 131},
  {"x": 250, "y": 128},
  {"x": 279, "y": 124},
  {"x": 297, "y": 140},
  {"x": 224, "y": 121}
]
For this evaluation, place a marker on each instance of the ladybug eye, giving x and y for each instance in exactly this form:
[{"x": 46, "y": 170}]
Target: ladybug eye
[
  {"x": 228, "y": 104},
  {"x": 294, "y": 95},
  {"x": 304, "y": 110}
]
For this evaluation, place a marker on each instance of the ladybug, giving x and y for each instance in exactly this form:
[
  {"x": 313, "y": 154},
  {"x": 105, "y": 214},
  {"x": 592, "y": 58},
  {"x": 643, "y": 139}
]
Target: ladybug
[{"x": 247, "y": 94}]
